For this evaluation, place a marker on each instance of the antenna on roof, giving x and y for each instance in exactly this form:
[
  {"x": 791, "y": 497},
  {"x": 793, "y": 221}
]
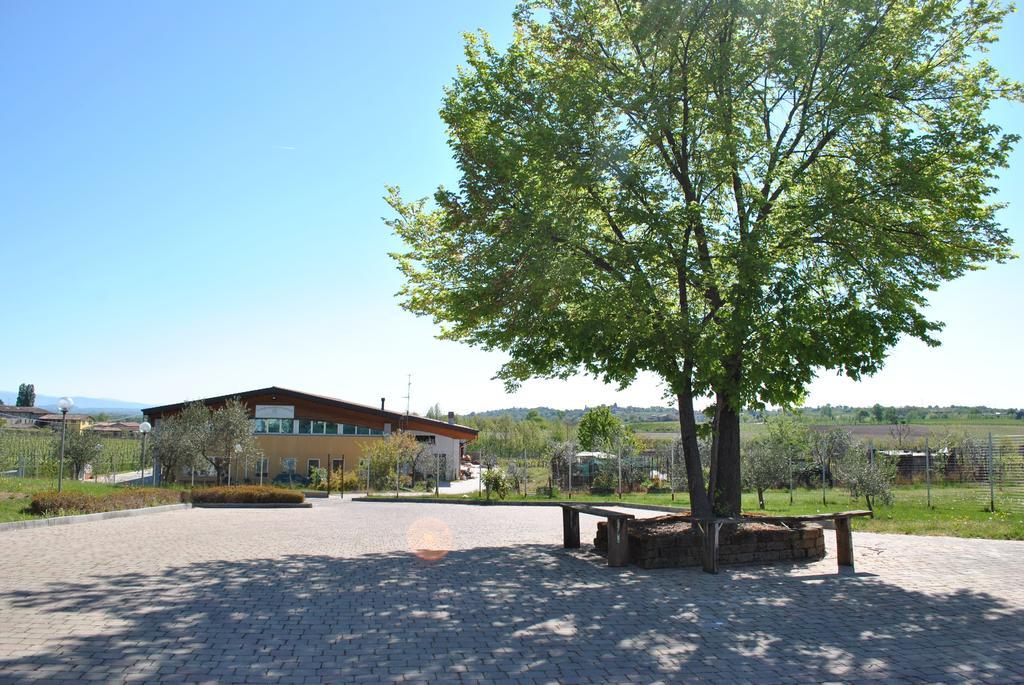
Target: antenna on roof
[{"x": 408, "y": 396}]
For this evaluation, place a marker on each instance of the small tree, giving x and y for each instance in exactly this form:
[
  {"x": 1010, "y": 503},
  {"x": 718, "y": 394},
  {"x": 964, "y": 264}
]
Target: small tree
[
  {"x": 496, "y": 481},
  {"x": 868, "y": 477},
  {"x": 178, "y": 441},
  {"x": 80, "y": 448},
  {"x": 899, "y": 432},
  {"x": 765, "y": 464},
  {"x": 230, "y": 440},
  {"x": 386, "y": 456},
  {"x": 26, "y": 395},
  {"x": 599, "y": 429},
  {"x": 827, "y": 448}
]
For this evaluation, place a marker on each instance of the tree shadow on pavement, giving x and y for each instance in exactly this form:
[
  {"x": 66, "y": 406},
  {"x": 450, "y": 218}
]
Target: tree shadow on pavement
[{"x": 529, "y": 613}]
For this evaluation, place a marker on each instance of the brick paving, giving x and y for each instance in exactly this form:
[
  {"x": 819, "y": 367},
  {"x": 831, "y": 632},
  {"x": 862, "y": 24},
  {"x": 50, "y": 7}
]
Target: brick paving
[{"x": 335, "y": 594}]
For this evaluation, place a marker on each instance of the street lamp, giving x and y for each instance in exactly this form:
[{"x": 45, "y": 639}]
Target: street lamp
[
  {"x": 65, "y": 403},
  {"x": 144, "y": 428}
]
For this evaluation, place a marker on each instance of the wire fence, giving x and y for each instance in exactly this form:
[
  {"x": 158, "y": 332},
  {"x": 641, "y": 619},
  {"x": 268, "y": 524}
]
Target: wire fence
[
  {"x": 26, "y": 453},
  {"x": 986, "y": 472}
]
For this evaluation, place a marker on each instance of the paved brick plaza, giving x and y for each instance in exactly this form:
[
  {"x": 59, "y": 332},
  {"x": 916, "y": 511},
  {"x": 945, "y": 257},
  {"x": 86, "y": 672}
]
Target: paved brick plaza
[{"x": 334, "y": 594}]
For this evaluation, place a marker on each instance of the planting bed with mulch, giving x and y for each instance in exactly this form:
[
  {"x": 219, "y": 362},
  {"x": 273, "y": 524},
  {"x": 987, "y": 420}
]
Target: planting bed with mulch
[
  {"x": 667, "y": 542},
  {"x": 247, "y": 494},
  {"x": 53, "y": 503}
]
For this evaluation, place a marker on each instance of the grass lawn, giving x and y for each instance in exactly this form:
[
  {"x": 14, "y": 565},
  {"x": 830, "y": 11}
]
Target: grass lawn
[
  {"x": 955, "y": 511},
  {"x": 16, "y": 493}
]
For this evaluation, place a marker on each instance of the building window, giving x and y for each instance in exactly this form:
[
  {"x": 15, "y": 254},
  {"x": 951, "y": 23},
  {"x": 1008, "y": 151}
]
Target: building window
[
  {"x": 313, "y": 464},
  {"x": 262, "y": 467},
  {"x": 429, "y": 439},
  {"x": 259, "y": 426},
  {"x": 331, "y": 428},
  {"x": 348, "y": 429},
  {"x": 288, "y": 465},
  {"x": 305, "y": 426}
]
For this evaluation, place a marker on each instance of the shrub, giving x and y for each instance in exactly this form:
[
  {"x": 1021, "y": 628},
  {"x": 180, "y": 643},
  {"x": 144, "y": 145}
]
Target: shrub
[
  {"x": 497, "y": 482},
  {"x": 247, "y": 494},
  {"x": 603, "y": 483},
  {"x": 53, "y": 503},
  {"x": 351, "y": 480}
]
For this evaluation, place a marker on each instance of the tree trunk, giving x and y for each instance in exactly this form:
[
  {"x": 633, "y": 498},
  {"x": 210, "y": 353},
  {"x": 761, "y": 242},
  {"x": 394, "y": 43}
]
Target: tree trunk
[
  {"x": 699, "y": 503},
  {"x": 726, "y": 460},
  {"x": 760, "y": 497}
]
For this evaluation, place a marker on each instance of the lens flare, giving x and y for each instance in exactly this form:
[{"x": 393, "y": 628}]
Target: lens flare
[{"x": 429, "y": 538}]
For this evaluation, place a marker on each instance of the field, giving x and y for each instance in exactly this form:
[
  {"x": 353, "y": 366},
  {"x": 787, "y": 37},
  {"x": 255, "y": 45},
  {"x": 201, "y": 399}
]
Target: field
[
  {"x": 956, "y": 511},
  {"x": 878, "y": 433},
  {"x": 34, "y": 450}
]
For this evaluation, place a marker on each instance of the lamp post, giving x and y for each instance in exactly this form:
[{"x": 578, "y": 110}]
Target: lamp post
[
  {"x": 144, "y": 428},
  {"x": 65, "y": 404}
]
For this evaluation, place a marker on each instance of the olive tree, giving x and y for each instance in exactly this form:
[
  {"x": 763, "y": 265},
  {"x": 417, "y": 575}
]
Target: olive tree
[{"x": 731, "y": 195}]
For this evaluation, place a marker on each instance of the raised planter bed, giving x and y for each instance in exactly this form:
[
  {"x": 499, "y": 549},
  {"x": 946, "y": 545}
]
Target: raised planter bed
[{"x": 668, "y": 542}]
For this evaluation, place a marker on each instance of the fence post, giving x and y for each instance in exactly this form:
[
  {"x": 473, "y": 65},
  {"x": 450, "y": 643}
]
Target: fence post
[
  {"x": 791, "y": 479},
  {"x": 671, "y": 468},
  {"x": 991, "y": 479},
  {"x": 928, "y": 470},
  {"x": 21, "y": 466},
  {"x": 620, "y": 469},
  {"x": 369, "y": 463},
  {"x": 824, "y": 462}
]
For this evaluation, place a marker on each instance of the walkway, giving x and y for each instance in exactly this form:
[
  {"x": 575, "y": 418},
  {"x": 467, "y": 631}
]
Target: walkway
[{"x": 371, "y": 592}]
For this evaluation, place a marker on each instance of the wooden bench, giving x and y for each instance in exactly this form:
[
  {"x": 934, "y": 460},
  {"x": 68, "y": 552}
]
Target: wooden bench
[
  {"x": 618, "y": 530},
  {"x": 710, "y": 527}
]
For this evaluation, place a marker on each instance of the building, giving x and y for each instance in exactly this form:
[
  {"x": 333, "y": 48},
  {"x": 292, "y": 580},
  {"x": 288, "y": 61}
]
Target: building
[
  {"x": 21, "y": 417},
  {"x": 116, "y": 429},
  {"x": 76, "y": 422},
  {"x": 298, "y": 431}
]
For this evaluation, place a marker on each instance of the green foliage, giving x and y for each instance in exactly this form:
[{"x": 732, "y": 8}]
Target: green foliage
[
  {"x": 496, "y": 481},
  {"x": 52, "y": 503},
  {"x": 731, "y": 196},
  {"x": 599, "y": 430},
  {"x": 80, "y": 448},
  {"x": 768, "y": 459},
  {"x": 603, "y": 483},
  {"x": 870, "y": 478},
  {"x": 387, "y": 456},
  {"x": 198, "y": 435},
  {"x": 247, "y": 494},
  {"x": 26, "y": 395},
  {"x": 350, "y": 479}
]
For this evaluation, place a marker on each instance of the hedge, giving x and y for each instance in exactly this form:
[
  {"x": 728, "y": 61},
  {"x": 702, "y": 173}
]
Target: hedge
[
  {"x": 247, "y": 494},
  {"x": 53, "y": 503}
]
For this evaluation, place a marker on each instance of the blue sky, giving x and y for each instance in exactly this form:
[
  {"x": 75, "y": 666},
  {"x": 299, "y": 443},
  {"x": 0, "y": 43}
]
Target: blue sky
[{"x": 190, "y": 204}]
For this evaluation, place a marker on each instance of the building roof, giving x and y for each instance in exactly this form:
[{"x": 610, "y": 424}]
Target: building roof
[
  {"x": 275, "y": 391},
  {"x": 59, "y": 417},
  {"x": 11, "y": 409},
  {"x": 115, "y": 426}
]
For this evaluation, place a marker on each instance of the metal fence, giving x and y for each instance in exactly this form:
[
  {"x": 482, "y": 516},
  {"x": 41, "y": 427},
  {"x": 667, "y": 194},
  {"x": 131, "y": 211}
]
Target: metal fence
[
  {"x": 989, "y": 470},
  {"x": 986, "y": 472}
]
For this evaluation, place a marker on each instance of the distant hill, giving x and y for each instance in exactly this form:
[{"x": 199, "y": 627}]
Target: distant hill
[{"x": 83, "y": 405}]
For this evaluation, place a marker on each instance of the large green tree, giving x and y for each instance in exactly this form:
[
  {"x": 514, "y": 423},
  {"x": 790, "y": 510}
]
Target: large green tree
[
  {"x": 26, "y": 395},
  {"x": 730, "y": 194}
]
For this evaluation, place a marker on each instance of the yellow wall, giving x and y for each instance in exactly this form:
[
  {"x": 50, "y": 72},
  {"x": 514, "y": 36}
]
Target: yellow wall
[{"x": 304, "y": 447}]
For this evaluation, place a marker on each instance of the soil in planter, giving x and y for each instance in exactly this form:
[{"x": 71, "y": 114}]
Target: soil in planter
[{"x": 668, "y": 542}]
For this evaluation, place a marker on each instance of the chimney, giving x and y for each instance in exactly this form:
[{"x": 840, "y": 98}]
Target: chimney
[
  {"x": 382, "y": 404},
  {"x": 451, "y": 417}
]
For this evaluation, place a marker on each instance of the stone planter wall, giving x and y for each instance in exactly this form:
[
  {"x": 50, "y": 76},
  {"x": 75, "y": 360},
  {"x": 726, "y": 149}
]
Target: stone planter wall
[{"x": 667, "y": 542}]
